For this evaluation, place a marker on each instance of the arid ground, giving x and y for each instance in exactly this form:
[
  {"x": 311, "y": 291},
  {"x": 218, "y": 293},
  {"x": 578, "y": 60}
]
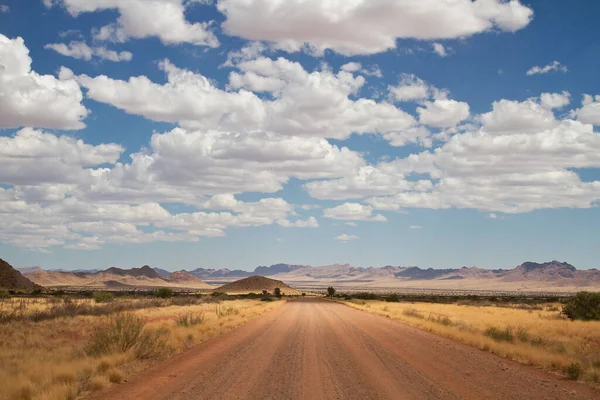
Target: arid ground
[{"x": 317, "y": 349}]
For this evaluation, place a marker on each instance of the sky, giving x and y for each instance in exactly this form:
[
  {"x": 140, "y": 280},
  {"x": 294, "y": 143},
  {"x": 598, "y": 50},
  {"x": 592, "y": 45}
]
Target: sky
[{"x": 237, "y": 133}]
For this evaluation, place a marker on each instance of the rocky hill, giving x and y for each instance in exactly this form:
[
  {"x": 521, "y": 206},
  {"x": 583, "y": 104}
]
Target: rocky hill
[
  {"x": 256, "y": 284},
  {"x": 10, "y": 278}
]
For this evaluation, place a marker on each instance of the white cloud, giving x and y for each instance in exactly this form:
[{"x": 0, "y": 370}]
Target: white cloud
[
  {"x": 309, "y": 206},
  {"x": 439, "y": 49},
  {"x": 30, "y": 99},
  {"x": 164, "y": 19},
  {"x": 517, "y": 117},
  {"x": 443, "y": 113},
  {"x": 365, "y": 26},
  {"x": 374, "y": 70},
  {"x": 493, "y": 216},
  {"x": 554, "y": 67},
  {"x": 415, "y": 227},
  {"x": 4, "y": 9},
  {"x": 589, "y": 113},
  {"x": 81, "y": 50},
  {"x": 555, "y": 100},
  {"x": 353, "y": 212},
  {"x": 305, "y": 104},
  {"x": 351, "y": 223},
  {"x": 410, "y": 88},
  {"x": 346, "y": 237},
  {"x": 311, "y": 222}
]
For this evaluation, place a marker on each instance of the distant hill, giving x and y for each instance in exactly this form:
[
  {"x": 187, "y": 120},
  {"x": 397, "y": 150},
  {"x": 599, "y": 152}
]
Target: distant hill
[
  {"x": 24, "y": 270},
  {"x": 117, "y": 277},
  {"x": 256, "y": 284},
  {"x": 162, "y": 272},
  {"x": 10, "y": 278},
  {"x": 276, "y": 269}
]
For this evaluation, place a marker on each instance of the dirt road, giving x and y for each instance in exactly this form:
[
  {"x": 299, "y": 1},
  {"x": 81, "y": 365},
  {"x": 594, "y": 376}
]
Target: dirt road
[{"x": 311, "y": 349}]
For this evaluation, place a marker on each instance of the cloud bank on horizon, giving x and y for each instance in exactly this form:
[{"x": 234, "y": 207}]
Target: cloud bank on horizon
[{"x": 239, "y": 101}]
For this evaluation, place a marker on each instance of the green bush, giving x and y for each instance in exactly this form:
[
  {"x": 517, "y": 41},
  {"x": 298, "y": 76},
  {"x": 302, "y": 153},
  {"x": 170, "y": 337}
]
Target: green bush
[
  {"x": 103, "y": 297},
  {"x": 393, "y": 298},
  {"x": 574, "y": 371},
  {"x": 126, "y": 332},
  {"x": 584, "y": 306},
  {"x": 330, "y": 291},
  {"x": 164, "y": 293},
  {"x": 267, "y": 299},
  {"x": 4, "y": 294},
  {"x": 277, "y": 292}
]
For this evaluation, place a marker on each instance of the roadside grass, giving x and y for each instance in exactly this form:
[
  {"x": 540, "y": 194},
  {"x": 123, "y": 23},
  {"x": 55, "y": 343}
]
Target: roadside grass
[
  {"x": 65, "y": 357},
  {"x": 539, "y": 336}
]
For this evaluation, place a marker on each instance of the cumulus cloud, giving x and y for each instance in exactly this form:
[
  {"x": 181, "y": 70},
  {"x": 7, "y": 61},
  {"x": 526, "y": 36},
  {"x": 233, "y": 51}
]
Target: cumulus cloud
[
  {"x": 518, "y": 117},
  {"x": 555, "y": 100},
  {"x": 82, "y": 51},
  {"x": 164, "y": 19},
  {"x": 30, "y": 99},
  {"x": 589, "y": 113},
  {"x": 304, "y": 103},
  {"x": 365, "y": 26},
  {"x": 555, "y": 66},
  {"x": 410, "y": 88},
  {"x": 353, "y": 212},
  {"x": 345, "y": 237},
  {"x": 443, "y": 113}
]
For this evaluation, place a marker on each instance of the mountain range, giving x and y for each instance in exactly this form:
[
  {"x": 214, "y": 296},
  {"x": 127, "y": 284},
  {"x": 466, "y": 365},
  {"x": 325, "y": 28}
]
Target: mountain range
[
  {"x": 553, "y": 275},
  {"x": 117, "y": 278}
]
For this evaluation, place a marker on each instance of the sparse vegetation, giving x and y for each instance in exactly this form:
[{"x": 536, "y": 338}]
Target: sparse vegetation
[
  {"x": 535, "y": 333},
  {"x": 584, "y": 306},
  {"x": 574, "y": 371},
  {"x": 126, "y": 332},
  {"x": 190, "y": 319},
  {"x": 277, "y": 292},
  {"x": 4, "y": 294},
  {"x": 330, "y": 291},
  {"x": 164, "y": 293},
  {"x": 103, "y": 297},
  {"x": 64, "y": 358}
]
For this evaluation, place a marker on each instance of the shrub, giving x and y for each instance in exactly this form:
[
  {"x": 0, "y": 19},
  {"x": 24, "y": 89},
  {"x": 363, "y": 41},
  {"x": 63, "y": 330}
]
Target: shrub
[
  {"x": 277, "y": 292},
  {"x": 303, "y": 294},
  {"x": 126, "y": 332},
  {"x": 267, "y": 299},
  {"x": 584, "y": 306},
  {"x": 393, "y": 298},
  {"x": 223, "y": 311},
  {"x": 500, "y": 334},
  {"x": 265, "y": 293},
  {"x": 4, "y": 294},
  {"x": 330, "y": 291},
  {"x": 574, "y": 371},
  {"x": 164, "y": 293},
  {"x": 103, "y": 297},
  {"x": 411, "y": 312},
  {"x": 216, "y": 294},
  {"x": 190, "y": 319}
]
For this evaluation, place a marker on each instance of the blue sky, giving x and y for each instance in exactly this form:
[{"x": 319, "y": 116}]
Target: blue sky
[{"x": 222, "y": 134}]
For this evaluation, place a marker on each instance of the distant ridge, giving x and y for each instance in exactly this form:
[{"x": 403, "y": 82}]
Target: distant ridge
[{"x": 552, "y": 275}]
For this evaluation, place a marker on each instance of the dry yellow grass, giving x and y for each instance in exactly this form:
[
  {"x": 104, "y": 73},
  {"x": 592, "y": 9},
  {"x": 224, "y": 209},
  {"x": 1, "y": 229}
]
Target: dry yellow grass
[
  {"x": 538, "y": 337},
  {"x": 45, "y": 360}
]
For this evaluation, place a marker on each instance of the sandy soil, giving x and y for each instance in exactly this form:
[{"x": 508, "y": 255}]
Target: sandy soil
[{"x": 311, "y": 349}]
